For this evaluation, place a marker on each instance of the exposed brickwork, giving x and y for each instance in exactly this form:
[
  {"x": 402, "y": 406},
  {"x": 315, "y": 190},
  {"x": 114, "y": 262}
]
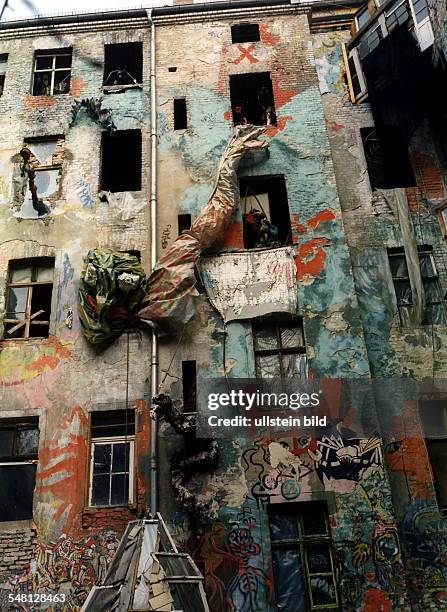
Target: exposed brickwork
[{"x": 17, "y": 549}]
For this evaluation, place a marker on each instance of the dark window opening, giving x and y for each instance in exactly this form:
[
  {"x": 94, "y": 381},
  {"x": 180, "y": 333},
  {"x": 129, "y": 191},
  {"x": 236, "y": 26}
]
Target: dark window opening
[
  {"x": 386, "y": 153},
  {"x": 265, "y": 211},
  {"x": 112, "y": 457},
  {"x": 245, "y": 32},
  {"x": 184, "y": 223},
  {"x": 189, "y": 378},
  {"x": 180, "y": 114},
  {"x": 3, "y": 62},
  {"x": 121, "y": 161},
  {"x": 252, "y": 99},
  {"x": 434, "y": 422},
  {"x": 356, "y": 87},
  {"x": 172, "y": 69},
  {"x": 19, "y": 444},
  {"x": 434, "y": 302},
  {"x": 280, "y": 349},
  {"x": 28, "y": 298},
  {"x": 302, "y": 557},
  {"x": 52, "y": 72},
  {"x": 123, "y": 64},
  {"x": 136, "y": 254}
]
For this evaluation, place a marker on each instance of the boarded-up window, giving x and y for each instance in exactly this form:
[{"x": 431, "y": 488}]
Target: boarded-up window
[
  {"x": 19, "y": 443},
  {"x": 28, "y": 299}
]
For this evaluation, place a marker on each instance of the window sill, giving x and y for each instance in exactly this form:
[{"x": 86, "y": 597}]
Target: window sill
[
  {"x": 132, "y": 507},
  {"x": 109, "y": 89},
  {"x": 19, "y": 526}
]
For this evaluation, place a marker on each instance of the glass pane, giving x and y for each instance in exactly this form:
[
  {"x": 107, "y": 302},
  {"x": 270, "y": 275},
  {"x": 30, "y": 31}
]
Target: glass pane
[
  {"x": 63, "y": 61},
  {"x": 120, "y": 488},
  {"x": 27, "y": 442},
  {"x": 41, "y": 300},
  {"x": 435, "y": 313},
  {"x": 45, "y": 273},
  {"x": 61, "y": 82},
  {"x": 363, "y": 17},
  {"x": 20, "y": 274},
  {"x": 265, "y": 338},
  {"x": 6, "y": 442},
  {"x": 283, "y": 526},
  {"x": 44, "y": 62},
  {"x": 295, "y": 365},
  {"x": 318, "y": 559},
  {"x": 17, "y": 297},
  {"x": 100, "y": 490},
  {"x": 431, "y": 289},
  {"x": 120, "y": 462},
  {"x": 404, "y": 295},
  {"x": 268, "y": 366},
  {"x": 42, "y": 84},
  {"x": 289, "y": 582},
  {"x": 314, "y": 522},
  {"x": 322, "y": 590},
  {"x": 17, "y": 484},
  {"x": 426, "y": 264},
  {"x": 292, "y": 337},
  {"x": 398, "y": 265},
  {"x": 102, "y": 458}
]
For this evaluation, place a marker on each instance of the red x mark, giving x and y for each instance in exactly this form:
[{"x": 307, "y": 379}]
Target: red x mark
[{"x": 246, "y": 53}]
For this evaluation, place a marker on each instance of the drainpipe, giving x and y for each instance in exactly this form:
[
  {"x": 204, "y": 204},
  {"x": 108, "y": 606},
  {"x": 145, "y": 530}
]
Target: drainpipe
[{"x": 153, "y": 220}]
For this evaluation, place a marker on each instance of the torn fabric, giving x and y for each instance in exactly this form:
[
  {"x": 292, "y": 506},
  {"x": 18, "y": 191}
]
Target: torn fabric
[
  {"x": 169, "y": 300},
  {"x": 250, "y": 284},
  {"x": 111, "y": 290}
]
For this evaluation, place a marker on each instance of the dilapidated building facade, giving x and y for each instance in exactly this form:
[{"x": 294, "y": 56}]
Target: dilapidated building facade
[{"x": 114, "y": 126}]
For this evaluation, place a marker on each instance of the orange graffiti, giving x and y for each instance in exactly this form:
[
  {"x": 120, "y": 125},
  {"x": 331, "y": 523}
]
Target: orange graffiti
[
  {"x": 282, "y": 95},
  {"x": 267, "y": 37},
  {"x": 272, "y": 130},
  {"x": 311, "y": 257},
  {"x": 246, "y": 53},
  {"x": 377, "y": 601},
  {"x": 324, "y": 215}
]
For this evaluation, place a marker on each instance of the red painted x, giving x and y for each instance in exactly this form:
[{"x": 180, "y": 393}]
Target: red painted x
[{"x": 246, "y": 54}]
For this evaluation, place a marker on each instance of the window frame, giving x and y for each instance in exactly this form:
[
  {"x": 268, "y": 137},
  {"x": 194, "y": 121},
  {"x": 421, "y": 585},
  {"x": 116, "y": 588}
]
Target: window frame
[
  {"x": 353, "y": 55},
  {"x": 16, "y": 460},
  {"x": 422, "y": 252},
  {"x": 429, "y": 437},
  {"x": 102, "y": 441},
  {"x": 29, "y": 318},
  {"x": 302, "y": 541},
  {"x": 54, "y": 54},
  {"x": 280, "y": 351}
]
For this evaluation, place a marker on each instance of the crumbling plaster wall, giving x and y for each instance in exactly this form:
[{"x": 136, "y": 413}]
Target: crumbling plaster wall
[
  {"x": 247, "y": 477},
  {"x": 394, "y": 351},
  {"x": 61, "y": 378}
]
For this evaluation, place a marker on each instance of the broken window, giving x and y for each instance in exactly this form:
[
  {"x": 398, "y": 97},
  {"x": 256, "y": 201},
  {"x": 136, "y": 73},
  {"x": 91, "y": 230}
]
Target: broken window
[
  {"x": 19, "y": 443},
  {"x": 189, "y": 379},
  {"x": 180, "y": 114},
  {"x": 28, "y": 299},
  {"x": 252, "y": 99},
  {"x": 265, "y": 211},
  {"x": 184, "y": 223},
  {"x": 123, "y": 65},
  {"x": 121, "y": 161},
  {"x": 112, "y": 458},
  {"x": 302, "y": 557},
  {"x": 434, "y": 303},
  {"x": 52, "y": 72},
  {"x": 3, "y": 62},
  {"x": 434, "y": 422},
  {"x": 387, "y": 159},
  {"x": 245, "y": 32},
  {"x": 355, "y": 79},
  {"x": 41, "y": 167},
  {"x": 280, "y": 349}
]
